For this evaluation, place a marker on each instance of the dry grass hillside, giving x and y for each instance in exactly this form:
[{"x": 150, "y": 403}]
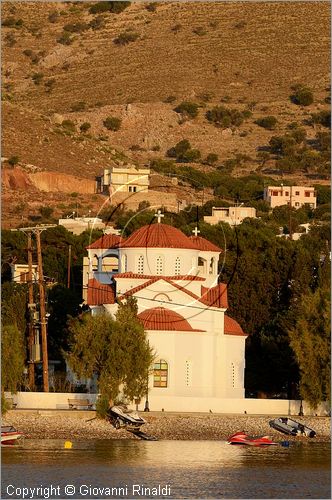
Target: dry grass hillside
[{"x": 245, "y": 54}]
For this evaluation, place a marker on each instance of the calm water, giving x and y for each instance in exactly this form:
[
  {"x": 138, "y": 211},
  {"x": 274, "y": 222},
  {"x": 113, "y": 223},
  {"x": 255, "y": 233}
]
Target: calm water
[{"x": 170, "y": 469}]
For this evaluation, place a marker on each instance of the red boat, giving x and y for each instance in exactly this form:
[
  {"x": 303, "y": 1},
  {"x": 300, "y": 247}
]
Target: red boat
[
  {"x": 9, "y": 434},
  {"x": 243, "y": 438}
]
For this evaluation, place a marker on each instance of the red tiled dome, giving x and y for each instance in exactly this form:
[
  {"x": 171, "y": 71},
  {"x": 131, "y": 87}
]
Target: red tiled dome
[
  {"x": 106, "y": 241},
  {"x": 158, "y": 236},
  {"x": 232, "y": 327},
  {"x": 204, "y": 245},
  {"x": 159, "y": 318}
]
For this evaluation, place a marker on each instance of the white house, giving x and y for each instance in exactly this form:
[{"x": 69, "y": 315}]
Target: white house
[
  {"x": 200, "y": 350},
  {"x": 295, "y": 196},
  {"x": 232, "y": 215}
]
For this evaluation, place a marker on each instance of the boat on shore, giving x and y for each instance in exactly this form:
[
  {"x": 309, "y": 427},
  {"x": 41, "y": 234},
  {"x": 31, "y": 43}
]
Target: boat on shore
[
  {"x": 119, "y": 416},
  {"x": 291, "y": 427},
  {"x": 9, "y": 435},
  {"x": 242, "y": 438}
]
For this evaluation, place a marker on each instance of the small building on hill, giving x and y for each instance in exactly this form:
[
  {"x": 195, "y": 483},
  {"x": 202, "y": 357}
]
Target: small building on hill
[
  {"x": 294, "y": 196},
  {"x": 126, "y": 178},
  {"x": 232, "y": 215},
  {"x": 200, "y": 349}
]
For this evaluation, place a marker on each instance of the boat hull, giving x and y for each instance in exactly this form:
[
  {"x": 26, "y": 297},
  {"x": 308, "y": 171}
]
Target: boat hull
[
  {"x": 241, "y": 438},
  {"x": 291, "y": 427}
]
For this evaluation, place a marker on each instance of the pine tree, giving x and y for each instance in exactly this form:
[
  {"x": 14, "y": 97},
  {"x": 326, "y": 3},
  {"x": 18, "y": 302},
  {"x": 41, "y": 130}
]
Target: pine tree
[
  {"x": 115, "y": 350},
  {"x": 311, "y": 343}
]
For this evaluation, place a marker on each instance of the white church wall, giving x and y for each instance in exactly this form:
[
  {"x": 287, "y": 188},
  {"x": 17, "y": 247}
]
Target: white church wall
[
  {"x": 185, "y": 351},
  {"x": 164, "y": 267},
  {"x": 55, "y": 400},
  {"x": 234, "y": 365}
]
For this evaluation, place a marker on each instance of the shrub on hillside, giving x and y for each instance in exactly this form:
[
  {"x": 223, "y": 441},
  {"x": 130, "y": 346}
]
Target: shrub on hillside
[
  {"x": 46, "y": 212},
  {"x": 302, "y": 95},
  {"x": 126, "y": 37},
  {"x": 200, "y": 31},
  {"x": 97, "y": 23},
  {"x": 224, "y": 117},
  {"x": 322, "y": 118},
  {"x": 152, "y": 7},
  {"x": 267, "y": 122},
  {"x": 53, "y": 16},
  {"x": 65, "y": 38},
  {"x": 11, "y": 22},
  {"x": 187, "y": 109},
  {"x": 37, "y": 78},
  {"x": 13, "y": 160},
  {"x": 85, "y": 127},
  {"x": 68, "y": 125},
  {"x": 114, "y": 7},
  {"x": 78, "y": 106},
  {"x": 183, "y": 153},
  {"x": 211, "y": 159},
  {"x": 75, "y": 27},
  {"x": 112, "y": 123}
]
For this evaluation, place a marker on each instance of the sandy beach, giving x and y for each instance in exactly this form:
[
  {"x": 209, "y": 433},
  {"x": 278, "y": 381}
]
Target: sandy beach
[{"x": 82, "y": 425}]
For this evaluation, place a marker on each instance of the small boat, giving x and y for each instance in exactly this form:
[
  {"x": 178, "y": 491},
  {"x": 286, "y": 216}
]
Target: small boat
[
  {"x": 288, "y": 426},
  {"x": 9, "y": 434},
  {"x": 119, "y": 416},
  {"x": 243, "y": 438}
]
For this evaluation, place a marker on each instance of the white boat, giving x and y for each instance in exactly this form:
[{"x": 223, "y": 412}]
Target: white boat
[
  {"x": 120, "y": 416},
  {"x": 9, "y": 434}
]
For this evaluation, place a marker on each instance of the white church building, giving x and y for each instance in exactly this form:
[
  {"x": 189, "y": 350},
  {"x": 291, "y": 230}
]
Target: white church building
[{"x": 200, "y": 350}]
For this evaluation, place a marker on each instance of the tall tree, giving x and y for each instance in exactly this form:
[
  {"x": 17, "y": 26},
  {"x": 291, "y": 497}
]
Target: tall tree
[
  {"x": 12, "y": 358},
  {"x": 115, "y": 350},
  {"x": 311, "y": 342}
]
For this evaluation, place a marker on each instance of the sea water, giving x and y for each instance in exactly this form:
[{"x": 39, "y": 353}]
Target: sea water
[{"x": 164, "y": 469}]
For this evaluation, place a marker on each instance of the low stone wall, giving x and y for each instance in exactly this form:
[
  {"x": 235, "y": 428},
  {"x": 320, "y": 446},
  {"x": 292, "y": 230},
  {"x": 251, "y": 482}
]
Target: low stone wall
[{"x": 249, "y": 406}]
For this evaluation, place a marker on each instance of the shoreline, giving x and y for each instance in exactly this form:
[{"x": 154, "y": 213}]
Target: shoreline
[{"x": 83, "y": 425}]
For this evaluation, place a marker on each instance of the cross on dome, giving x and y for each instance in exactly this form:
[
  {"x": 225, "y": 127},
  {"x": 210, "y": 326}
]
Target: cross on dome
[
  {"x": 159, "y": 216},
  {"x": 196, "y": 231}
]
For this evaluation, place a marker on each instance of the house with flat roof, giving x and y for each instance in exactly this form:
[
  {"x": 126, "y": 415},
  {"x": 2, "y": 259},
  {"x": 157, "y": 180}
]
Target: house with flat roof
[
  {"x": 294, "y": 196},
  {"x": 232, "y": 215},
  {"x": 123, "y": 178}
]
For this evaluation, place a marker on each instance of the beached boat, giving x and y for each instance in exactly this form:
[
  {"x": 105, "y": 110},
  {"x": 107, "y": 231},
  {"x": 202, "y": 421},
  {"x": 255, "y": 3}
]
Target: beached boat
[
  {"x": 243, "y": 438},
  {"x": 291, "y": 427},
  {"x": 120, "y": 416},
  {"x": 9, "y": 434}
]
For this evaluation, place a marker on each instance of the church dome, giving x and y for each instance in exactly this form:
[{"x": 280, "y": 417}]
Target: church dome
[
  {"x": 232, "y": 327},
  {"x": 204, "y": 244},
  {"x": 159, "y": 236},
  {"x": 160, "y": 318}
]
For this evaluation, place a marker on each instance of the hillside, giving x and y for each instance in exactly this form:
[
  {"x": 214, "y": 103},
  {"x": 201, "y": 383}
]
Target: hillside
[{"x": 244, "y": 55}]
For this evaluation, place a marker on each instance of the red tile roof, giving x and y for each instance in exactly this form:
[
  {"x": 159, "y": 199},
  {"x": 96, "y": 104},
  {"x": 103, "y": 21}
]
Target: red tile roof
[
  {"x": 186, "y": 277},
  {"x": 232, "y": 327},
  {"x": 159, "y": 318},
  {"x": 106, "y": 241},
  {"x": 158, "y": 236},
  {"x": 98, "y": 293},
  {"x": 204, "y": 245},
  {"x": 215, "y": 296}
]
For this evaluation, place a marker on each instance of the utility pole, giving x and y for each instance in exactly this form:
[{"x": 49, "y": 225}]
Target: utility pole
[
  {"x": 37, "y": 230},
  {"x": 68, "y": 268},
  {"x": 290, "y": 213},
  {"x": 31, "y": 308}
]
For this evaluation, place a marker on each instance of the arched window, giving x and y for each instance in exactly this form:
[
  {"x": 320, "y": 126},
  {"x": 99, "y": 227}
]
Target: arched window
[
  {"x": 140, "y": 265},
  {"x": 160, "y": 373},
  {"x": 159, "y": 265},
  {"x": 177, "y": 266}
]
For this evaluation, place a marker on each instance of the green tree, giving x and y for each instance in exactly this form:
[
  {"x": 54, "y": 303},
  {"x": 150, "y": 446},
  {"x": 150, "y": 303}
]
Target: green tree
[
  {"x": 12, "y": 357},
  {"x": 311, "y": 342},
  {"x": 268, "y": 122},
  {"x": 115, "y": 350}
]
